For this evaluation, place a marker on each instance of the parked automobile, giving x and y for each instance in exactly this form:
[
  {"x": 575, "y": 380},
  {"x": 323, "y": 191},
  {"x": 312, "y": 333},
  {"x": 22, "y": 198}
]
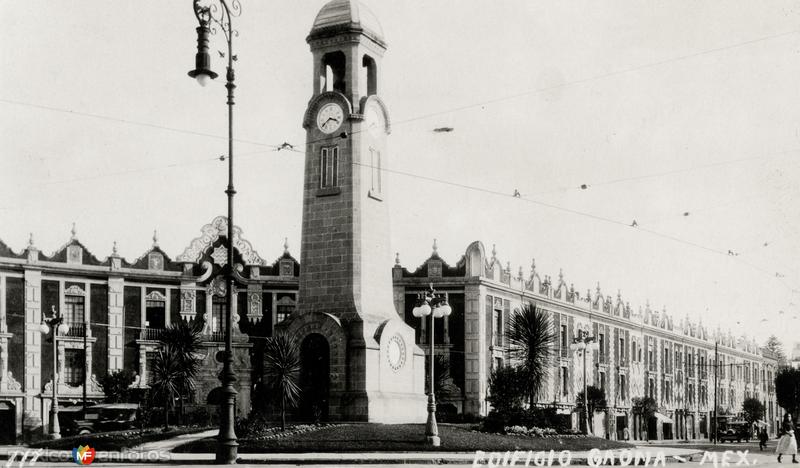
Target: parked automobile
[
  {"x": 735, "y": 431},
  {"x": 102, "y": 418}
]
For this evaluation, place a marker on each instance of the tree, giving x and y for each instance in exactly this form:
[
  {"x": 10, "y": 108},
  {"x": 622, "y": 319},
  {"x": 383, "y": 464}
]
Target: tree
[
  {"x": 168, "y": 379},
  {"x": 187, "y": 341},
  {"x": 115, "y": 385},
  {"x": 507, "y": 387},
  {"x": 530, "y": 338},
  {"x": 595, "y": 399},
  {"x": 282, "y": 372},
  {"x": 646, "y": 407},
  {"x": 176, "y": 365},
  {"x": 776, "y": 347},
  {"x": 787, "y": 390},
  {"x": 753, "y": 410}
]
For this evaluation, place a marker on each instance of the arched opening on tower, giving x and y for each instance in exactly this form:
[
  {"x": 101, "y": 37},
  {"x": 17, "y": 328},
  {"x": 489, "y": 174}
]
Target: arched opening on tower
[
  {"x": 369, "y": 72},
  {"x": 314, "y": 377},
  {"x": 333, "y": 69}
]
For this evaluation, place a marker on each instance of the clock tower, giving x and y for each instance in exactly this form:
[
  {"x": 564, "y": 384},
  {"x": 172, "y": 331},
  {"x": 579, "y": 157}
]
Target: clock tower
[{"x": 359, "y": 358}]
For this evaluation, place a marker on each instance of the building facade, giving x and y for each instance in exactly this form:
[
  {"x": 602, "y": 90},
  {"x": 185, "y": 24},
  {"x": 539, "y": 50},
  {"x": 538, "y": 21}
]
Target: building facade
[
  {"x": 116, "y": 312},
  {"x": 641, "y": 352},
  {"x": 120, "y": 308}
]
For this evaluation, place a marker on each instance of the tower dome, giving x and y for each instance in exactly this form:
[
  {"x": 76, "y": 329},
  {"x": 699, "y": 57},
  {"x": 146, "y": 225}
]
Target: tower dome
[{"x": 346, "y": 15}]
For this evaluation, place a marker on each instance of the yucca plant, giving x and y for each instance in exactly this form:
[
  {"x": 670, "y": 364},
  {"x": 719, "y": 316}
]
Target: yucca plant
[
  {"x": 181, "y": 343},
  {"x": 530, "y": 341},
  {"x": 168, "y": 378},
  {"x": 282, "y": 372}
]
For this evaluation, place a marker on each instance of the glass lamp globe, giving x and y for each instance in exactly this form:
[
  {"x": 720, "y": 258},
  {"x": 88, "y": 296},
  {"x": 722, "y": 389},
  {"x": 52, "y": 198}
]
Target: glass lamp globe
[
  {"x": 44, "y": 328},
  {"x": 63, "y": 329},
  {"x": 203, "y": 79},
  {"x": 446, "y": 309}
]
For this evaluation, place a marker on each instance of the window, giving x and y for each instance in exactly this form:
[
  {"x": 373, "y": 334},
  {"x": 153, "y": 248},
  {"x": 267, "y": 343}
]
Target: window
[
  {"x": 218, "y": 308},
  {"x": 633, "y": 350},
  {"x": 603, "y": 381},
  {"x": 621, "y": 391},
  {"x": 73, "y": 309},
  {"x": 690, "y": 395},
  {"x": 498, "y": 327},
  {"x": 155, "y": 314},
  {"x": 498, "y": 362},
  {"x": 564, "y": 343},
  {"x": 651, "y": 388},
  {"x": 564, "y": 381},
  {"x": 622, "y": 351},
  {"x": 73, "y": 367},
  {"x": 375, "y": 166},
  {"x": 329, "y": 167},
  {"x": 601, "y": 344},
  {"x": 284, "y": 307}
]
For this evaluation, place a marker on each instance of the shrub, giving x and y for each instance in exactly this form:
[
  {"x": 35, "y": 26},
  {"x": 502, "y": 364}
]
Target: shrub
[
  {"x": 506, "y": 389},
  {"x": 499, "y": 421},
  {"x": 252, "y": 426}
]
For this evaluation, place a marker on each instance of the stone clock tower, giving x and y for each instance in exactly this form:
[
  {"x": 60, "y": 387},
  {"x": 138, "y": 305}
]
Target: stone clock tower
[{"x": 359, "y": 359}]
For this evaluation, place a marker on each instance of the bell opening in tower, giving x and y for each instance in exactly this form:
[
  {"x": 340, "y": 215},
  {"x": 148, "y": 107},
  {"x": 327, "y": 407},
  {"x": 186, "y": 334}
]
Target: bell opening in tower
[{"x": 333, "y": 65}]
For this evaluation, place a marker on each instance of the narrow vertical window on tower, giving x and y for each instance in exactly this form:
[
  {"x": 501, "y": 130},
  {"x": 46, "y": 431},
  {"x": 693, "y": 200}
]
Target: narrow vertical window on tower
[
  {"x": 375, "y": 170},
  {"x": 329, "y": 167}
]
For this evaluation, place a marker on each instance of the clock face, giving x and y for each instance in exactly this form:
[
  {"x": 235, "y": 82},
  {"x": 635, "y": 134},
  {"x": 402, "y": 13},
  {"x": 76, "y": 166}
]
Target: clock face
[
  {"x": 330, "y": 117},
  {"x": 374, "y": 121}
]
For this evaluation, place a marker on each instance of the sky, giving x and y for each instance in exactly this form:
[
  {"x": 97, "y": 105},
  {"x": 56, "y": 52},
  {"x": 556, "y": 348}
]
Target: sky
[{"x": 680, "y": 115}]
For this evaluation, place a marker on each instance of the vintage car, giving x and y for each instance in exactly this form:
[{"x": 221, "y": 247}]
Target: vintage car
[{"x": 104, "y": 417}]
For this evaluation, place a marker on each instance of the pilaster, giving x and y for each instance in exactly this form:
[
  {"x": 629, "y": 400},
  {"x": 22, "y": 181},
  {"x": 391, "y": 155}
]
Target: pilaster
[
  {"x": 475, "y": 363},
  {"x": 33, "y": 344},
  {"x": 116, "y": 330},
  {"x": 188, "y": 301}
]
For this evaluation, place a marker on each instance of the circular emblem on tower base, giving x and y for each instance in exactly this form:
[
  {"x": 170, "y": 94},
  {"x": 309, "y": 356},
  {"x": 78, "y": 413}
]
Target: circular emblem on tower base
[{"x": 396, "y": 352}]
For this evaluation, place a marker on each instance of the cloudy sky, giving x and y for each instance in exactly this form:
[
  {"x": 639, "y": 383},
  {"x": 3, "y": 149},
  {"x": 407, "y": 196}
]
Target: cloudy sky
[{"x": 681, "y": 115}]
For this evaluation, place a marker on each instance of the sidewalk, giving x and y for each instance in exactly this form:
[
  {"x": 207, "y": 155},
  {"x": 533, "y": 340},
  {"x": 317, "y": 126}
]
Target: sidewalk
[{"x": 159, "y": 453}]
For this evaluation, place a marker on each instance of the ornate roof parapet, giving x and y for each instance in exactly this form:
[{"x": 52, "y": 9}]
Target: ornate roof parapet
[{"x": 213, "y": 231}]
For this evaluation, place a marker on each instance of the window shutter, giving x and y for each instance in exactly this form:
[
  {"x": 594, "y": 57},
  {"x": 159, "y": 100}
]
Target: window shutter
[
  {"x": 616, "y": 346},
  {"x": 608, "y": 345},
  {"x": 489, "y": 316}
]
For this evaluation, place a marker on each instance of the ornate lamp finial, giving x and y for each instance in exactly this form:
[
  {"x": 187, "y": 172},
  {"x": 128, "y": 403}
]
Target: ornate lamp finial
[
  {"x": 286, "y": 245},
  {"x": 155, "y": 238},
  {"x": 397, "y": 259},
  {"x": 74, "y": 232},
  {"x": 435, "y": 248}
]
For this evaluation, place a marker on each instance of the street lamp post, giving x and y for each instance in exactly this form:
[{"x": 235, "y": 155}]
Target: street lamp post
[
  {"x": 207, "y": 12},
  {"x": 434, "y": 305},
  {"x": 583, "y": 344},
  {"x": 55, "y": 323}
]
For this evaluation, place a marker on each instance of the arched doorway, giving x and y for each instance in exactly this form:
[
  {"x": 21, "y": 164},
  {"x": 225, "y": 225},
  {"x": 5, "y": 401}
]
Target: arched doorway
[{"x": 314, "y": 377}]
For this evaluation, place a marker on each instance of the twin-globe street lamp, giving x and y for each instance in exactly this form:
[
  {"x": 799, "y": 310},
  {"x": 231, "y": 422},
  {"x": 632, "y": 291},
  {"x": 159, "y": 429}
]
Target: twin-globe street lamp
[
  {"x": 55, "y": 323},
  {"x": 582, "y": 345},
  {"x": 434, "y": 304},
  {"x": 206, "y": 13}
]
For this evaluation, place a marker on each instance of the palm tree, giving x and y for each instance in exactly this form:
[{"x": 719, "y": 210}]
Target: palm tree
[
  {"x": 530, "y": 337},
  {"x": 168, "y": 378},
  {"x": 282, "y": 372},
  {"x": 176, "y": 364}
]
